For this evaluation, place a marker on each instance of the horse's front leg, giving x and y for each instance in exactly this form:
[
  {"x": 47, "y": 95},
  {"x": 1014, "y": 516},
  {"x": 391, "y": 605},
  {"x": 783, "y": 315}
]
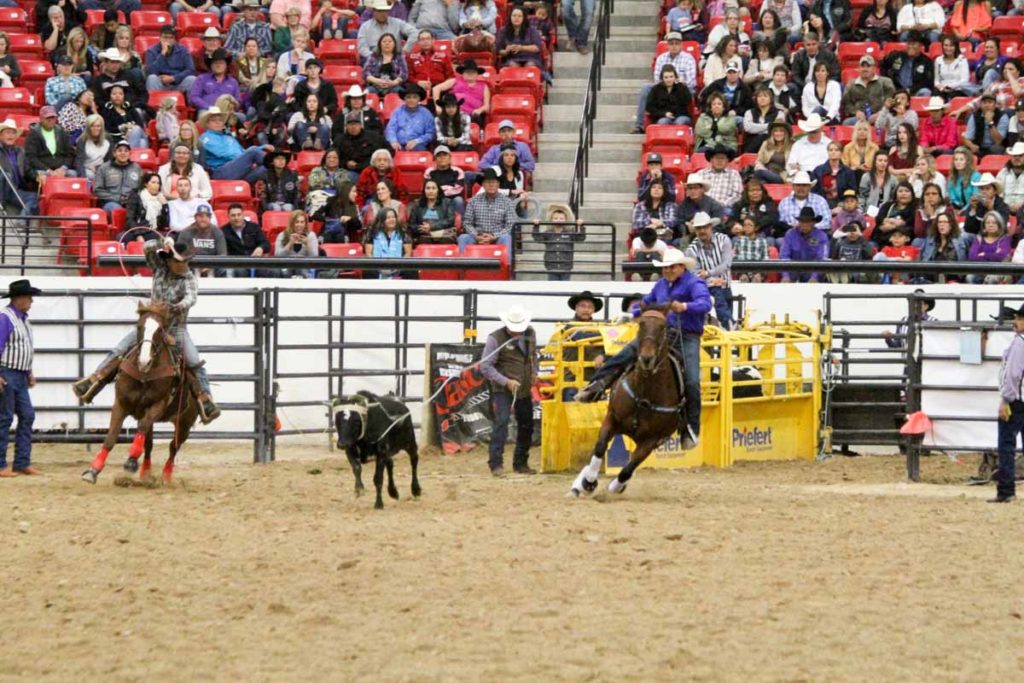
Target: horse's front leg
[
  {"x": 586, "y": 480},
  {"x": 144, "y": 427},
  {"x": 147, "y": 458},
  {"x": 640, "y": 453}
]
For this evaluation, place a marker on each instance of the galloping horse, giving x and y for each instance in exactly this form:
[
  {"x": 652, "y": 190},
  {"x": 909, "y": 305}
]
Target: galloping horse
[
  {"x": 152, "y": 387},
  {"x": 643, "y": 405}
]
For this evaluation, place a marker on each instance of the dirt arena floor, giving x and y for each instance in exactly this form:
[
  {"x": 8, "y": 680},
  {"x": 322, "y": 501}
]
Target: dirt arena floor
[{"x": 765, "y": 572}]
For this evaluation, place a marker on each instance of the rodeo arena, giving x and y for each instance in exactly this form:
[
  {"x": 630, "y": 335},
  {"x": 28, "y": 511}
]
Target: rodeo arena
[{"x": 486, "y": 340}]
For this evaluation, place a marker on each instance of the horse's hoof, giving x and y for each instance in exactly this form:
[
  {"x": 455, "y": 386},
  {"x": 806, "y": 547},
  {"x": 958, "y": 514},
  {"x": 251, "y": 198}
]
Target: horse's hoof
[
  {"x": 379, "y": 505},
  {"x": 573, "y": 493},
  {"x": 589, "y": 486},
  {"x": 131, "y": 465},
  {"x": 615, "y": 486},
  {"x": 90, "y": 475},
  {"x": 393, "y": 493},
  {"x": 359, "y": 492},
  {"x": 416, "y": 491}
]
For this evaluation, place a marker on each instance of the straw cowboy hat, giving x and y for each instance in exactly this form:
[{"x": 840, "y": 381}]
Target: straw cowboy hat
[
  {"x": 9, "y": 124},
  {"x": 674, "y": 257},
  {"x": 935, "y": 104},
  {"x": 801, "y": 178},
  {"x": 111, "y": 54},
  {"x": 987, "y": 179},
  {"x": 701, "y": 219},
  {"x": 811, "y": 123},
  {"x": 694, "y": 179},
  {"x": 516, "y": 319},
  {"x": 212, "y": 111},
  {"x": 380, "y": 5}
]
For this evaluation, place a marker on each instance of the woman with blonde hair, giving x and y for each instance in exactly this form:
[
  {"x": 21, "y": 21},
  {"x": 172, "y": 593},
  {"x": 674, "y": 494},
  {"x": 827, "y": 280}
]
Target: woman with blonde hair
[
  {"x": 188, "y": 135},
  {"x": 924, "y": 173},
  {"x": 229, "y": 104},
  {"x": 770, "y": 166},
  {"x": 77, "y": 48},
  {"x": 93, "y": 147},
  {"x": 297, "y": 240},
  {"x": 124, "y": 41},
  {"x": 858, "y": 152}
]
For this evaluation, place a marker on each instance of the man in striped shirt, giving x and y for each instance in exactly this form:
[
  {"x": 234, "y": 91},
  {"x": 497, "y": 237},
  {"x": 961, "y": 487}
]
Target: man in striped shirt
[
  {"x": 16, "y": 378},
  {"x": 685, "y": 66},
  {"x": 712, "y": 251}
]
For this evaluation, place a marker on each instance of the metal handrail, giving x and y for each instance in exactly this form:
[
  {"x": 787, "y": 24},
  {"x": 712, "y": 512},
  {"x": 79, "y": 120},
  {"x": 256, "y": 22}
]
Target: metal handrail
[
  {"x": 916, "y": 267},
  {"x": 581, "y": 160},
  {"x": 15, "y": 256}
]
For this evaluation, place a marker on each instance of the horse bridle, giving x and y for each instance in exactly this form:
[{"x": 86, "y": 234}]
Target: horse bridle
[{"x": 660, "y": 352}]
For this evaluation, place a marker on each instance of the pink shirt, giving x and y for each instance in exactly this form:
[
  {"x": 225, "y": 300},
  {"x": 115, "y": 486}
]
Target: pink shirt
[
  {"x": 471, "y": 95},
  {"x": 282, "y": 6}
]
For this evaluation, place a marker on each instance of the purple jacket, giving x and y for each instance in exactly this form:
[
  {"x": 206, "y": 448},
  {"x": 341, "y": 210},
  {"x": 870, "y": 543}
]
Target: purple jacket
[
  {"x": 207, "y": 89},
  {"x": 996, "y": 252},
  {"x": 797, "y": 247},
  {"x": 689, "y": 289}
]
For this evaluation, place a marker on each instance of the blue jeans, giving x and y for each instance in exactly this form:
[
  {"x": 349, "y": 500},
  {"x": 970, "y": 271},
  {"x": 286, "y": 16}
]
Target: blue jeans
[
  {"x": 301, "y": 134},
  {"x": 689, "y": 347},
  {"x": 153, "y": 82},
  {"x": 110, "y": 206},
  {"x": 559, "y": 277},
  {"x": 502, "y": 405},
  {"x": 677, "y": 121},
  {"x": 465, "y": 239},
  {"x": 177, "y": 8},
  {"x": 185, "y": 344},
  {"x": 248, "y": 167},
  {"x": 722, "y": 299},
  {"x": 641, "y": 102},
  {"x": 1009, "y": 433},
  {"x": 15, "y": 400},
  {"x": 578, "y": 28}
]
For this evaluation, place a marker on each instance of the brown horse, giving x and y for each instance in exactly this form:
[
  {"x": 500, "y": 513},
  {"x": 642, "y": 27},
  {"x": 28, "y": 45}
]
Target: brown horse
[
  {"x": 152, "y": 386},
  {"x": 643, "y": 405}
]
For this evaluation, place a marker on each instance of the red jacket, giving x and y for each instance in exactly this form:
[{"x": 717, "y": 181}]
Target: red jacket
[
  {"x": 366, "y": 187},
  {"x": 943, "y": 135},
  {"x": 435, "y": 67}
]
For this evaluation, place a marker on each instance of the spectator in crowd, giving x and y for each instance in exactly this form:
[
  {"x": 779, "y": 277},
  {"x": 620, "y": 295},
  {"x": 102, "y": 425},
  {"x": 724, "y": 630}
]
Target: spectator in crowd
[
  {"x": 225, "y": 156},
  {"x": 822, "y": 95},
  {"x": 988, "y": 68},
  {"x": 685, "y": 17},
  {"x": 113, "y": 72},
  {"x": 182, "y": 165},
  {"x": 371, "y": 31},
  {"x": 749, "y": 245},
  {"x": 716, "y": 127},
  {"x": 762, "y": 65},
  {"x": 850, "y": 245},
  {"x": 905, "y": 151},
  {"x": 328, "y": 175},
  {"x": 206, "y": 6},
  {"x": 310, "y": 126},
  {"x": 280, "y": 8},
  {"x": 786, "y": 13},
  {"x": 712, "y": 250},
  {"x": 9, "y": 66},
  {"x": 726, "y": 55},
  {"x": 519, "y": 44},
  {"x": 810, "y": 54},
  {"x": 432, "y": 218},
  {"x": 1011, "y": 178},
  {"x": 867, "y": 94},
  {"x": 938, "y": 131},
  {"x": 281, "y": 39},
  {"x": 970, "y": 20},
  {"x": 899, "y": 249},
  {"x": 772, "y": 157},
  {"x": 281, "y": 189},
  {"x": 472, "y": 93},
  {"x": 297, "y": 241},
  {"x": 205, "y": 238},
  {"x": 17, "y": 196},
  {"x": 805, "y": 242},
  {"x": 758, "y": 118},
  {"x": 55, "y": 33},
  {"x": 355, "y": 103},
  {"x": 388, "y": 238},
  {"x": 848, "y": 211},
  {"x": 655, "y": 211},
  {"x": 944, "y": 243},
  {"x": 182, "y": 209},
  {"x": 147, "y": 213},
  {"x": 478, "y": 17},
  {"x": 646, "y": 247},
  {"x": 169, "y": 65},
  {"x": 212, "y": 40},
  {"x": 439, "y": 17},
  {"x": 986, "y": 128},
  {"x": 489, "y": 216},
  {"x": 93, "y": 148},
  {"x": 952, "y": 72},
  {"x": 911, "y": 69},
  {"x": 924, "y": 172},
  {"x": 738, "y": 98},
  {"x": 791, "y": 208},
  {"x": 243, "y": 237},
  {"x": 992, "y": 245},
  {"x": 960, "y": 184},
  {"x": 686, "y": 70},
  {"x": 986, "y": 200},
  {"x": 453, "y": 127},
  {"x": 543, "y": 24},
  {"x": 451, "y": 179},
  {"x": 292, "y": 63},
  {"x": 932, "y": 204},
  {"x": 380, "y": 168},
  {"x": 811, "y": 150},
  {"x": 383, "y": 198},
  {"x": 896, "y": 214},
  {"x": 877, "y": 23},
  {"x": 877, "y": 185},
  {"x": 412, "y": 126},
  {"x": 922, "y": 19},
  {"x": 654, "y": 171},
  {"x": 64, "y": 85},
  {"x": 559, "y": 239},
  {"x": 102, "y": 37},
  {"x": 512, "y": 182},
  {"x": 48, "y": 150},
  {"x": 251, "y": 67},
  {"x": 696, "y": 200},
  {"x": 1015, "y": 129},
  {"x": 577, "y": 28},
  {"x": 357, "y": 145},
  {"x": 757, "y": 205},
  {"x": 428, "y": 66},
  {"x": 249, "y": 26},
  {"x": 116, "y": 180},
  {"x": 833, "y": 179},
  {"x": 123, "y": 121},
  {"x": 209, "y": 86},
  {"x": 896, "y": 112},
  {"x": 730, "y": 27},
  {"x": 385, "y": 69},
  {"x": 860, "y": 151},
  {"x": 725, "y": 185},
  {"x": 506, "y": 134},
  {"x": 314, "y": 84}
]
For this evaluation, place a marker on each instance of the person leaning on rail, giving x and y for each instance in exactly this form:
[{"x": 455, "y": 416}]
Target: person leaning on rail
[{"x": 1011, "y": 408}]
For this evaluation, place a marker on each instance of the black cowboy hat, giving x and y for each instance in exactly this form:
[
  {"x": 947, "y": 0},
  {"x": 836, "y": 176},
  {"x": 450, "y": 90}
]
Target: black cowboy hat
[
  {"x": 807, "y": 214},
  {"x": 628, "y": 300},
  {"x": 1005, "y": 313},
  {"x": 449, "y": 98},
  {"x": 930, "y": 302},
  {"x": 268, "y": 158},
  {"x": 414, "y": 89},
  {"x": 586, "y": 295},
  {"x": 468, "y": 65},
  {"x": 779, "y": 124},
  {"x": 21, "y": 288},
  {"x": 219, "y": 53},
  {"x": 720, "y": 149},
  {"x": 178, "y": 252}
]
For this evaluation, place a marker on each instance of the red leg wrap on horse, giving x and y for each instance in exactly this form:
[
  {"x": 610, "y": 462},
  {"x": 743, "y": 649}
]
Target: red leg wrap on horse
[
  {"x": 100, "y": 460},
  {"x": 168, "y": 470},
  {"x": 136, "y": 448}
]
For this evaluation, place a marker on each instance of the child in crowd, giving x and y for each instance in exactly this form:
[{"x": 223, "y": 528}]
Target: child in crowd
[
  {"x": 850, "y": 245},
  {"x": 749, "y": 245},
  {"x": 899, "y": 249},
  {"x": 541, "y": 21},
  {"x": 849, "y": 212},
  {"x": 646, "y": 247},
  {"x": 685, "y": 18},
  {"x": 167, "y": 125},
  {"x": 559, "y": 241}
]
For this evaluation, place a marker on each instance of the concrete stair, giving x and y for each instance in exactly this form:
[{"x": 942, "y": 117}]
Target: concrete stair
[{"x": 614, "y": 159}]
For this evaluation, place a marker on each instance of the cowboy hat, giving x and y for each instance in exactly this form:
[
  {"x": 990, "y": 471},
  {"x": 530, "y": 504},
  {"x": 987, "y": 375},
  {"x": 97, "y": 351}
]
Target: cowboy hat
[
  {"x": 780, "y": 124},
  {"x": 416, "y": 89},
  {"x": 702, "y": 219},
  {"x": 586, "y": 295},
  {"x": 379, "y": 5},
  {"x": 468, "y": 65},
  {"x": 219, "y": 54},
  {"x": 111, "y": 55},
  {"x": 987, "y": 179},
  {"x": 801, "y": 178},
  {"x": 21, "y": 288},
  {"x": 178, "y": 252},
  {"x": 449, "y": 98},
  {"x": 694, "y": 179},
  {"x": 516, "y": 319},
  {"x": 9, "y": 124},
  {"x": 930, "y": 302},
  {"x": 808, "y": 214},
  {"x": 811, "y": 123},
  {"x": 935, "y": 104},
  {"x": 268, "y": 158},
  {"x": 211, "y": 32},
  {"x": 209, "y": 113},
  {"x": 1017, "y": 149},
  {"x": 627, "y": 301},
  {"x": 1005, "y": 313},
  {"x": 673, "y": 257},
  {"x": 355, "y": 91},
  {"x": 712, "y": 152}
]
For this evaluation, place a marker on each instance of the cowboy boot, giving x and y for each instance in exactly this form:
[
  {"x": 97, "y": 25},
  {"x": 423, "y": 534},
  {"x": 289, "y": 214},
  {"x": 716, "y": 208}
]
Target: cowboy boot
[
  {"x": 208, "y": 410},
  {"x": 593, "y": 391},
  {"x": 687, "y": 439},
  {"x": 87, "y": 388}
]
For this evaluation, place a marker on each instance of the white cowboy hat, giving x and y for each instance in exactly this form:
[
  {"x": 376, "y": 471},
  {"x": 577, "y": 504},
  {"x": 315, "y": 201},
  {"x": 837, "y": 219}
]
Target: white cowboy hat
[
  {"x": 516, "y": 319},
  {"x": 801, "y": 178},
  {"x": 985, "y": 179},
  {"x": 673, "y": 257},
  {"x": 380, "y": 5},
  {"x": 701, "y": 218},
  {"x": 355, "y": 91},
  {"x": 9, "y": 124},
  {"x": 111, "y": 54},
  {"x": 1018, "y": 148},
  {"x": 694, "y": 179},
  {"x": 212, "y": 111},
  {"x": 211, "y": 33},
  {"x": 936, "y": 104},
  {"x": 811, "y": 123}
]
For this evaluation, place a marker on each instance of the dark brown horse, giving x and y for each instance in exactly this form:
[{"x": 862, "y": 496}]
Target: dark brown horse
[
  {"x": 643, "y": 405},
  {"x": 152, "y": 386}
]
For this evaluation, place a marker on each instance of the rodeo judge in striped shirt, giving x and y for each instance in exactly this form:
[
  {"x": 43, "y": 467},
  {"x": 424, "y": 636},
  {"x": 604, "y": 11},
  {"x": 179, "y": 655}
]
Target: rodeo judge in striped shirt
[
  {"x": 712, "y": 251},
  {"x": 16, "y": 378}
]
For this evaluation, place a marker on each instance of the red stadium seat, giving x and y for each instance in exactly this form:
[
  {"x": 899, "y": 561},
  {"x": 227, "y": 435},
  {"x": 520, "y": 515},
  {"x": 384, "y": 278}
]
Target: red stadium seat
[
  {"x": 307, "y": 160},
  {"x": 109, "y": 248},
  {"x": 136, "y": 248},
  {"x": 743, "y": 161},
  {"x": 893, "y": 47},
  {"x": 520, "y": 79},
  {"x": 524, "y": 132},
  {"x": 60, "y": 192},
  {"x": 1011, "y": 50},
  {"x": 13, "y": 19},
  {"x": 26, "y": 45},
  {"x": 482, "y": 59},
  {"x": 196, "y": 23},
  {"x": 17, "y": 100},
  {"x": 227, "y": 192},
  {"x": 391, "y": 102},
  {"x": 1007, "y": 26},
  {"x": 156, "y": 98},
  {"x": 680, "y": 137},
  {"x": 35, "y": 73},
  {"x": 778, "y": 192},
  {"x": 74, "y": 234},
  {"x": 23, "y": 122},
  {"x": 345, "y": 250},
  {"x": 993, "y": 163},
  {"x": 488, "y": 251},
  {"x": 147, "y": 22},
  {"x": 343, "y": 76},
  {"x": 842, "y": 134},
  {"x": 145, "y": 158},
  {"x": 515, "y": 104},
  {"x": 848, "y": 74},
  {"x": 944, "y": 163},
  {"x": 335, "y": 51},
  {"x": 274, "y": 223},
  {"x": 143, "y": 43},
  {"x": 448, "y": 251},
  {"x": 465, "y": 160},
  {"x": 849, "y": 53},
  {"x": 410, "y": 167}
]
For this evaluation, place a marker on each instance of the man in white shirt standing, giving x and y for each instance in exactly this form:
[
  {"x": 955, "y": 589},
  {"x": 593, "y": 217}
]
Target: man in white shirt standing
[
  {"x": 811, "y": 150},
  {"x": 685, "y": 66}
]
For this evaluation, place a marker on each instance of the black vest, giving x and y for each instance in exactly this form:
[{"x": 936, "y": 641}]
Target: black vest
[{"x": 513, "y": 364}]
